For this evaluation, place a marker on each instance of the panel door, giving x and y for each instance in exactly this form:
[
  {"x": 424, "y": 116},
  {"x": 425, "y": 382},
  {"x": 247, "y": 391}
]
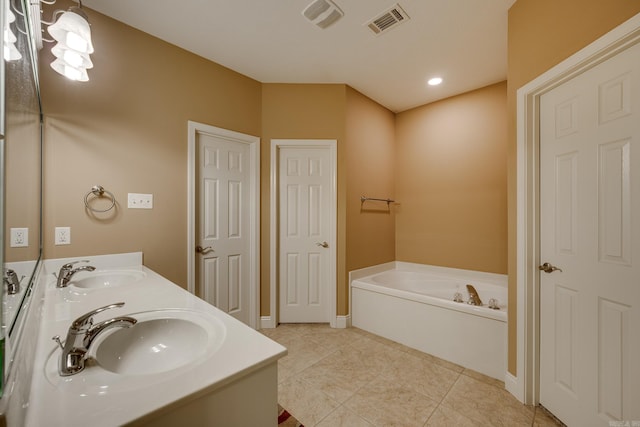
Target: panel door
[
  {"x": 590, "y": 230},
  {"x": 223, "y": 229},
  {"x": 305, "y": 177}
]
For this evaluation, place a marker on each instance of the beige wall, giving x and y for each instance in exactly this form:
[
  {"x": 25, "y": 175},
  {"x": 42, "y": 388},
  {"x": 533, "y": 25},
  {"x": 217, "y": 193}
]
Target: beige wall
[
  {"x": 451, "y": 182},
  {"x": 301, "y": 111},
  {"x": 126, "y": 129},
  {"x": 542, "y": 33},
  {"x": 370, "y": 171}
]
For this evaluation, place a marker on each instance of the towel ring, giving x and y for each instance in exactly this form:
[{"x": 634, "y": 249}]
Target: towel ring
[{"x": 99, "y": 191}]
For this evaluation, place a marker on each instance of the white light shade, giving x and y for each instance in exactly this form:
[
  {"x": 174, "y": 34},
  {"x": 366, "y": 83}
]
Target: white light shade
[
  {"x": 73, "y": 31},
  {"x": 435, "y": 81},
  {"x": 11, "y": 53},
  {"x": 69, "y": 71},
  {"x": 72, "y": 57}
]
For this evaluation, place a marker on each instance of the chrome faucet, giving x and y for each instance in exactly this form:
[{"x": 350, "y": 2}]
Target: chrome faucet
[
  {"x": 12, "y": 281},
  {"x": 474, "y": 298},
  {"x": 67, "y": 271},
  {"x": 81, "y": 335}
]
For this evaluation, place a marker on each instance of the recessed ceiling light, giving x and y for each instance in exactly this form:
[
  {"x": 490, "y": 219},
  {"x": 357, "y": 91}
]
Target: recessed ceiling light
[{"x": 435, "y": 81}]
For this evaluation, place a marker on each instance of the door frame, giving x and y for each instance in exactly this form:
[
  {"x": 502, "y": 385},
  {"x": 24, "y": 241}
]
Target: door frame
[
  {"x": 526, "y": 384},
  {"x": 276, "y": 144},
  {"x": 196, "y": 128}
]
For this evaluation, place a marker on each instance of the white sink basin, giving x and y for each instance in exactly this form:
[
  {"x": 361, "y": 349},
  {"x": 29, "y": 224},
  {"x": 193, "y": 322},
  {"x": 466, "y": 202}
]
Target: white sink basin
[
  {"x": 105, "y": 278},
  {"x": 152, "y": 346},
  {"x": 162, "y": 344}
]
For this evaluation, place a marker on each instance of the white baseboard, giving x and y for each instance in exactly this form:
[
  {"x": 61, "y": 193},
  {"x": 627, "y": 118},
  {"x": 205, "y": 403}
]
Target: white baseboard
[
  {"x": 513, "y": 386},
  {"x": 267, "y": 322},
  {"x": 342, "y": 322}
]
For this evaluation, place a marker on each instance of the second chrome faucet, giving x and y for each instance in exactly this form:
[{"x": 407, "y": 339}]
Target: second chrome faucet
[{"x": 67, "y": 271}]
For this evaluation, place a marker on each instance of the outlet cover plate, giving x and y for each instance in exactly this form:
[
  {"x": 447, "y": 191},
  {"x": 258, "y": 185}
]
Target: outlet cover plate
[
  {"x": 19, "y": 237},
  {"x": 63, "y": 236},
  {"x": 139, "y": 201}
]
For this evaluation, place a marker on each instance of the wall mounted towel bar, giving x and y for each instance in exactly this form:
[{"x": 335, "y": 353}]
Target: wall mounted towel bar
[{"x": 365, "y": 199}]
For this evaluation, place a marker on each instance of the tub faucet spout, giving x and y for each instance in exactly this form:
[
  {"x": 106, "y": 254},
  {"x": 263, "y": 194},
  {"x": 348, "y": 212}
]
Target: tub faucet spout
[{"x": 474, "y": 298}]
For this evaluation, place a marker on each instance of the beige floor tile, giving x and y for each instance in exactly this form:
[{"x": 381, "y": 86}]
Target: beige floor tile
[
  {"x": 422, "y": 376},
  {"x": 301, "y": 355},
  {"x": 332, "y": 339},
  {"x": 342, "y": 373},
  {"x": 487, "y": 404},
  {"x": 343, "y": 417},
  {"x": 376, "y": 351},
  {"x": 387, "y": 403},
  {"x": 305, "y": 403},
  {"x": 543, "y": 419},
  {"x": 438, "y": 361},
  {"x": 484, "y": 378},
  {"x": 445, "y": 417}
]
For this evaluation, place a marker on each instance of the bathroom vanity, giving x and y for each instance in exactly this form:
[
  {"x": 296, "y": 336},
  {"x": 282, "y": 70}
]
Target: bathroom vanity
[{"x": 183, "y": 362}]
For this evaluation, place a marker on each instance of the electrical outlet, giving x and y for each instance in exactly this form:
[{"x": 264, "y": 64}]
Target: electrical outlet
[
  {"x": 139, "y": 201},
  {"x": 19, "y": 237},
  {"x": 63, "y": 236}
]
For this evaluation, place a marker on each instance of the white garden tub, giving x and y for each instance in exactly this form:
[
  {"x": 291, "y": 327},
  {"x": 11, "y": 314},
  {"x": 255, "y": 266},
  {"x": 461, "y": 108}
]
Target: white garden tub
[{"x": 414, "y": 305}]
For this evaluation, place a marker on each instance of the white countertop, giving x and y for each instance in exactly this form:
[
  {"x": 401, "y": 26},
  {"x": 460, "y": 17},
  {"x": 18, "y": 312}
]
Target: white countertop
[{"x": 76, "y": 401}]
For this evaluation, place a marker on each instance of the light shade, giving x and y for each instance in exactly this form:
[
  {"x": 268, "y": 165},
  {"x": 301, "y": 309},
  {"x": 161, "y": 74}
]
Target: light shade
[
  {"x": 69, "y": 71},
  {"x": 72, "y": 57},
  {"x": 11, "y": 53},
  {"x": 73, "y": 31}
]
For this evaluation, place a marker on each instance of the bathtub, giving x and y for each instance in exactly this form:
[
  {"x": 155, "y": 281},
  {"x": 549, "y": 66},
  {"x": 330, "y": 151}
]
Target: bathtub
[{"x": 413, "y": 304}]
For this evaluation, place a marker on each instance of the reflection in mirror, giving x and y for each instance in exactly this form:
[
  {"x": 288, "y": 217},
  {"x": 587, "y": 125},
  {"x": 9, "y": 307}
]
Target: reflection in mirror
[{"x": 22, "y": 171}]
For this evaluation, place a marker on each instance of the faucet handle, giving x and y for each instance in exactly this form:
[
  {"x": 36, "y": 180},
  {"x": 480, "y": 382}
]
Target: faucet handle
[
  {"x": 68, "y": 265},
  {"x": 87, "y": 319}
]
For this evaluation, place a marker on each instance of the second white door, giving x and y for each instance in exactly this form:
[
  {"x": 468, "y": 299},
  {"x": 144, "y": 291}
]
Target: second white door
[{"x": 305, "y": 190}]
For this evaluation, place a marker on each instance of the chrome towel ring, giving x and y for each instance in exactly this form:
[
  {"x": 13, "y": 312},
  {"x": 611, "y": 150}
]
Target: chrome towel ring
[{"x": 99, "y": 191}]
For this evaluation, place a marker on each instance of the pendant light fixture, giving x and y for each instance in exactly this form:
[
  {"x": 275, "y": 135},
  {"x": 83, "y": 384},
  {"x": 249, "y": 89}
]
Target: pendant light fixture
[
  {"x": 9, "y": 39},
  {"x": 73, "y": 36}
]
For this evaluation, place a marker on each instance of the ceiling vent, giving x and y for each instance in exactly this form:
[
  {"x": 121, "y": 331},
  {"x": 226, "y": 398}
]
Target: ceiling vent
[
  {"x": 322, "y": 13},
  {"x": 388, "y": 19}
]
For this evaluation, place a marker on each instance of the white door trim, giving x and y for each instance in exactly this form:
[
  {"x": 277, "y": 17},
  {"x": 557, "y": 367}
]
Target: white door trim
[
  {"x": 525, "y": 386},
  {"x": 254, "y": 215},
  {"x": 331, "y": 144}
]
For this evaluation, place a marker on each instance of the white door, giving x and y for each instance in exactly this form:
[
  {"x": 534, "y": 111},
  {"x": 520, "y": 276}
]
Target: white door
[
  {"x": 590, "y": 229},
  {"x": 223, "y": 232},
  {"x": 305, "y": 190}
]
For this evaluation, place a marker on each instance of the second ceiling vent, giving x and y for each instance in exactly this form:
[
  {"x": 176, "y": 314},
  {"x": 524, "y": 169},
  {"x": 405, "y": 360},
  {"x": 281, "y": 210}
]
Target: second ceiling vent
[{"x": 388, "y": 19}]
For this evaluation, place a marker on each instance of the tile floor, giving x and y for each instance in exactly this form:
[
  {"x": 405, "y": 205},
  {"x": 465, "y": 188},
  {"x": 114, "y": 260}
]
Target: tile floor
[{"x": 349, "y": 377}]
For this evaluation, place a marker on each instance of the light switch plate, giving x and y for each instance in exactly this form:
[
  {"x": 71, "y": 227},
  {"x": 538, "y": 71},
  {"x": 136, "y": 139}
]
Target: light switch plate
[
  {"x": 139, "y": 201},
  {"x": 19, "y": 237}
]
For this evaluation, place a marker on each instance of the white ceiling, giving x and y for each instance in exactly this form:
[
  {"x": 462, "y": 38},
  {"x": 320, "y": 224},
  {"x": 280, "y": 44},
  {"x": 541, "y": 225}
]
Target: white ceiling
[{"x": 463, "y": 41}]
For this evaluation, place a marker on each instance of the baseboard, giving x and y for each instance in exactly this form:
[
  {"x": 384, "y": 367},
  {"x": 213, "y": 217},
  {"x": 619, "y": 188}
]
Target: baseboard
[
  {"x": 513, "y": 386},
  {"x": 266, "y": 322},
  {"x": 342, "y": 322}
]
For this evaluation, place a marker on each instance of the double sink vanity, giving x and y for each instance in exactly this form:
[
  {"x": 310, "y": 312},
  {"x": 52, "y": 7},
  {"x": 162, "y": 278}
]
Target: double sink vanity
[{"x": 122, "y": 345}]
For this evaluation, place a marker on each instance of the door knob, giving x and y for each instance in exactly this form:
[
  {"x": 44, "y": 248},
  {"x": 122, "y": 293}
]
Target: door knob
[
  {"x": 323, "y": 244},
  {"x": 548, "y": 268},
  {"x": 204, "y": 251}
]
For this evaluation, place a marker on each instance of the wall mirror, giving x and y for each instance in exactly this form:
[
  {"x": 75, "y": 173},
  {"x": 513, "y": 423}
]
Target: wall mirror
[{"x": 21, "y": 168}]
